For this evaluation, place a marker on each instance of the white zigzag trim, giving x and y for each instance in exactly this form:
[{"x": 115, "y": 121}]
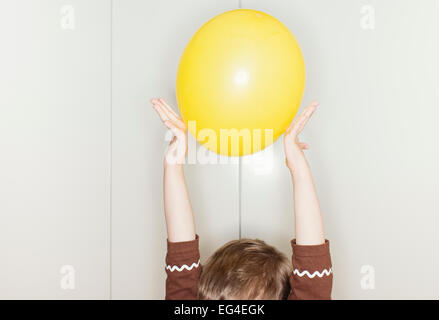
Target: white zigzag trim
[
  {"x": 316, "y": 273},
  {"x": 185, "y": 266}
]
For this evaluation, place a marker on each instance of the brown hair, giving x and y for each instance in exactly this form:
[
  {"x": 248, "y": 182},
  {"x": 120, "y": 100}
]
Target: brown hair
[{"x": 245, "y": 269}]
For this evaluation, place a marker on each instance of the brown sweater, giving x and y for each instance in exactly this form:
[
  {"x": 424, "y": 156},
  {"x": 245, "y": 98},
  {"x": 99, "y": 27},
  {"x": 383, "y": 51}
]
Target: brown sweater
[{"x": 311, "y": 277}]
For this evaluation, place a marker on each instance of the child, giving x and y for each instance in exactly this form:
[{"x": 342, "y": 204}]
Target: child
[{"x": 244, "y": 269}]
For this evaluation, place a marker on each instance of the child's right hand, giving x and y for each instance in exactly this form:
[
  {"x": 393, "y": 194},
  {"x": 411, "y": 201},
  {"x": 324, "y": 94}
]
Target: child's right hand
[{"x": 177, "y": 149}]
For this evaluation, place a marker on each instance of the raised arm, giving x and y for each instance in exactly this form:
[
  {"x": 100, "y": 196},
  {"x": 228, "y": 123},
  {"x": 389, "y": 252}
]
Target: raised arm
[
  {"x": 308, "y": 218},
  {"x": 178, "y": 210},
  {"x": 183, "y": 257},
  {"x": 312, "y": 269}
]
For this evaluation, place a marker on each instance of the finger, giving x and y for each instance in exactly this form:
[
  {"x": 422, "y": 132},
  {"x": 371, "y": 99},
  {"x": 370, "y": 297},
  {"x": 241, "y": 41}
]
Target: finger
[
  {"x": 180, "y": 124},
  {"x": 307, "y": 114},
  {"x": 168, "y": 107},
  {"x": 294, "y": 122},
  {"x": 297, "y": 120},
  {"x": 163, "y": 116},
  {"x": 313, "y": 105},
  {"x": 303, "y": 145},
  {"x": 298, "y": 127},
  {"x": 170, "y": 125},
  {"x": 171, "y": 113},
  {"x": 295, "y": 129}
]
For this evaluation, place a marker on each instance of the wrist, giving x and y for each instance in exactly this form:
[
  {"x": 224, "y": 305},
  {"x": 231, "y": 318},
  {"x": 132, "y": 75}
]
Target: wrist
[
  {"x": 296, "y": 164},
  {"x": 177, "y": 167},
  {"x": 299, "y": 168},
  {"x": 299, "y": 175}
]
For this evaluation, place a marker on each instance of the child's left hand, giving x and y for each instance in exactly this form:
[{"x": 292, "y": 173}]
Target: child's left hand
[
  {"x": 293, "y": 147},
  {"x": 177, "y": 150}
]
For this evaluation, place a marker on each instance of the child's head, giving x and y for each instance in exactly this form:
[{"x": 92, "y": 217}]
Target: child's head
[{"x": 245, "y": 269}]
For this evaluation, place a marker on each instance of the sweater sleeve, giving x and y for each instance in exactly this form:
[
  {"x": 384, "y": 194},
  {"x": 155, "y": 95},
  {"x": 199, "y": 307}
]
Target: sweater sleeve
[
  {"x": 183, "y": 270},
  {"x": 311, "y": 278}
]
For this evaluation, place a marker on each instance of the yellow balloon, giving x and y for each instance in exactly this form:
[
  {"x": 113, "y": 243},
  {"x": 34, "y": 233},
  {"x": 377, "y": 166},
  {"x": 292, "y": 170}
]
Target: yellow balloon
[{"x": 240, "y": 82}]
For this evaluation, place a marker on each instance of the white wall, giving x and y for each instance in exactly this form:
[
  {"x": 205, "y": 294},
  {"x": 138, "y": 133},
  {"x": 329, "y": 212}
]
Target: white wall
[
  {"x": 81, "y": 149},
  {"x": 54, "y": 149}
]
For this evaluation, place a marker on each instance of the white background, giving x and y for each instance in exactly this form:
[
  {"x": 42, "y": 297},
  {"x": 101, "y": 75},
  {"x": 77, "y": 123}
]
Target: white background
[{"x": 81, "y": 149}]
